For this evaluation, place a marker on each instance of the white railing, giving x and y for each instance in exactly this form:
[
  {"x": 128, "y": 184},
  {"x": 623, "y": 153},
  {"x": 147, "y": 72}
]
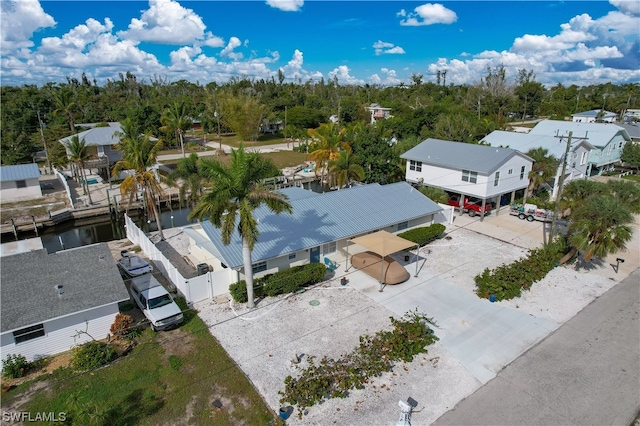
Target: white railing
[
  {"x": 206, "y": 286},
  {"x": 63, "y": 180}
]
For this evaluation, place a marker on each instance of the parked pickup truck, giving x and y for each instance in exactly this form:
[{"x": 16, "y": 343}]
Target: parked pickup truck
[
  {"x": 470, "y": 207},
  {"x": 155, "y": 302},
  {"x": 530, "y": 212}
]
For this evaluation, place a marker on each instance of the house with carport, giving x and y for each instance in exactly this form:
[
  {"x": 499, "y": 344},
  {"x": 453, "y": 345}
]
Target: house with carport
[
  {"x": 490, "y": 174},
  {"x": 20, "y": 182},
  {"x": 320, "y": 226},
  {"x": 53, "y": 302}
]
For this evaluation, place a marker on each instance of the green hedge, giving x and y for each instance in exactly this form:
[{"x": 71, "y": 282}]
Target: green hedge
[
  {"x": 424, "y": 235},
  {"x": 287, "y": 281},
  {"x": 507, "y": 281}
]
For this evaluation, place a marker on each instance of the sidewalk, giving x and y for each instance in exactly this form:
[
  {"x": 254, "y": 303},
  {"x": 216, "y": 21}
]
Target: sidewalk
[{"x": 586, "y": 372}]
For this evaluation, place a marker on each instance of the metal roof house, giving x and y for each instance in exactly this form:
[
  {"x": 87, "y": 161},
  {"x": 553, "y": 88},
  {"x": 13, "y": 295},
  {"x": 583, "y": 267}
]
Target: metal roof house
[
  {"x": 593, "y": 116},
  {"x": 607, "y": 140},
  {"x": 484, "y": 172},
  {"x": 47, "y": 299},
  {"x": 103, "y": 138},
  {"x": 378, "y": 113},
  {"x": 319, "y": 226},
  {"x": 20, "y": 182},
  {"x": 554, "y": 142}
]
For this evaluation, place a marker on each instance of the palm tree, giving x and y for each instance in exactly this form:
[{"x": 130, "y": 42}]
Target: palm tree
[
  {"x": 236, "y": 190},
  {"x": 436, "y": 195},
  {"x": 139, "y": 153},
  {"x": 626, "y": 192},
  {"x": 189, "y": 174},
  {"x": 78, "y": 154},
  {"x": 576, "y": 191},
  {"x": 328, "y": 140},
  {"x": 346, "y": 168},
  {"x": 543, "y": 169},
  {"x": 599, "y": 226},
  {"x": 64, "y": 103},
  {"x": 175, "y": 119}
]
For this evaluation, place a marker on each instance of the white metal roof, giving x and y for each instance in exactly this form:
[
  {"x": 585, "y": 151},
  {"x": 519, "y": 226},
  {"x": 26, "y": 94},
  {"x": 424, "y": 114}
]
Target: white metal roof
[{"x": 19, "y": 172}]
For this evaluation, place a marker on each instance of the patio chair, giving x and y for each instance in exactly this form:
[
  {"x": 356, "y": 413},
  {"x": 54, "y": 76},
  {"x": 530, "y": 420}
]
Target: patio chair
[{"x": 331, "y": 265}]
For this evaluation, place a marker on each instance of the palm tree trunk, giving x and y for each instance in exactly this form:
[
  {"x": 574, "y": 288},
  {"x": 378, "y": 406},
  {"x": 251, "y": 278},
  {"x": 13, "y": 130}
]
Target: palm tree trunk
[
  {"x": 248, "y": 271},
  {"x": 568, "y": 256},
  {"x": 86, "y": 184},
  {"x": 181, "y": 143},
  {"x": 151, "y": 202}
]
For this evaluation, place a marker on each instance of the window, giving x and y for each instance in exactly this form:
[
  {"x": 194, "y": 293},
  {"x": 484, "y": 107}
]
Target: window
[
  {"x": 21, "y": 184},
  {"x": 329, "y": 248},
  {"x": 259, "y": 267},
  {"x": 292, "y": 256},
  {"x": 28, "y": 333},
  {"x": 468, "y": 176},
  {"x": 522, "y": 172},
  {"x": 620, "y": 145},
  {"x": 415, "y": 165},
  {"x": 403, "y": 225},
  {"x": 510, "y": 171},
  {"x": 583, "y": 158},
  {"x": 496, "y": 180}
]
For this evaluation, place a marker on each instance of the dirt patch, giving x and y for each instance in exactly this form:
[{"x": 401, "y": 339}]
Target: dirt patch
[{"x": 176, "y": 342}]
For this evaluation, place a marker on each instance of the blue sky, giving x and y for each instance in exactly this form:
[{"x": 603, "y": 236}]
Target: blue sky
[{"x": 359, "y": 42}]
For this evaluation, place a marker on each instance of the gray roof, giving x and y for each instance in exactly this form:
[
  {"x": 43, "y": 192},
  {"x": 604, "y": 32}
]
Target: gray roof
[
  {"x": 19, "y": 172},
  {"x": 98, "y": 135},
  {"x": 460, "y": 156},
  {"x": 89, "y": 276},
  {"x": 593, "y": 113},
  {"x": 525, "y": 141},
  {"x": 321, "y": 218},
  {"x": 633, "y": 130},
  {"x": 599, "y": 134}
]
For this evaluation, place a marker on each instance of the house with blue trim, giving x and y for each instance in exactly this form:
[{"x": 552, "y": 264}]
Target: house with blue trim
[{"x": 319, "y": 226}]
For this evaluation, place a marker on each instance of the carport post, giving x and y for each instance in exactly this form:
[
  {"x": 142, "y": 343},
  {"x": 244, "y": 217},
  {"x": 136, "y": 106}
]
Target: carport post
[
  {"x": 417, "y": 253},
  {"x": 484, "y": 203},
  {"x": 498, "y": 199}
]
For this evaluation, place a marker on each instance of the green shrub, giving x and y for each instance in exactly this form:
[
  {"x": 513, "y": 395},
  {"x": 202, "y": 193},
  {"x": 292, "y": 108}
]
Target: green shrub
[
  {"x": 287, "y": 281},
  {"x": 92, "y": 355},
  {"x": 14, "y": 366},
  {"x": 425, "y": 234},
  {"x": 507, "y": 281}
]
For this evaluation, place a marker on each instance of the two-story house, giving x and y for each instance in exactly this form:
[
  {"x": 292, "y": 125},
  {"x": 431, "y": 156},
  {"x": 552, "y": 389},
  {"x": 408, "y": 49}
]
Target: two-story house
[
  {"x": 378, "y": 113},
  {"x": 491, "y": 174}
]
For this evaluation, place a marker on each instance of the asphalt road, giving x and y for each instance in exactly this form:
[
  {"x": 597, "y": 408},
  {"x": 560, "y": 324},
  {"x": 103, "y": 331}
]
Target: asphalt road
[{"x": 585, "y": 373}]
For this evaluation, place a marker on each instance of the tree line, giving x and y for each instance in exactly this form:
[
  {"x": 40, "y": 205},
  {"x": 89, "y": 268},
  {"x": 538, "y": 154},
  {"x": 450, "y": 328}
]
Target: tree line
[{"x": 34, "y": 117}]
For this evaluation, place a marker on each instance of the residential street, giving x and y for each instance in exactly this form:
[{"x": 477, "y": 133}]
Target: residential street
[{"x": 586, "y": 372}]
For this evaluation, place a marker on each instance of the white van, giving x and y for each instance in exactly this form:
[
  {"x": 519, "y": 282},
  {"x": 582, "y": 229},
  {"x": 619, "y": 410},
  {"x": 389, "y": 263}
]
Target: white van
[{"x": 155, "y": 302}]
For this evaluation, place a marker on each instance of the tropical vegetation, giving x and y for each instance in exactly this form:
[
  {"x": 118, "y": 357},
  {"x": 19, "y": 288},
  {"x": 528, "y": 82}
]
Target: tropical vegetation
[{"x": 235, "y": 191}]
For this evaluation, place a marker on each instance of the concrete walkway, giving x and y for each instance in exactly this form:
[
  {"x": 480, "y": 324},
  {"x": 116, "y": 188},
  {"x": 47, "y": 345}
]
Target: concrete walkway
[{"x": 586, "y": 372}]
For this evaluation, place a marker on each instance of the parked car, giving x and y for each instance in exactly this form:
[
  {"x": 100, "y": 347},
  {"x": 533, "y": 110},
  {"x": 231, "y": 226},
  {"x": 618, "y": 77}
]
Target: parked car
[
  {"x": 472, "y": 208},
  {"x": 155, "y": 302}
]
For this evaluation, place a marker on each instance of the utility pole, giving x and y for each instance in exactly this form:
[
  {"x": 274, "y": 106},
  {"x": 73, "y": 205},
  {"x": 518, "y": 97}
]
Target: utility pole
[
  {"x": 44, "y": 142},
  {"x": 561, "y": 182}
]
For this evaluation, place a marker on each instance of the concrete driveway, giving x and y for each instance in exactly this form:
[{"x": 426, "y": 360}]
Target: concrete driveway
[{"x": 483, "y": 336}]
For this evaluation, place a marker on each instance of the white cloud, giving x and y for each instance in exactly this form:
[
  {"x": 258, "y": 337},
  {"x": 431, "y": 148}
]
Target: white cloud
[
  {"x": 343, "y": 76},
  {"x": 19, "y": 19},
  {"x": 630, "y": 7},
  {"x": 428, "y": 14},
  {"x": 228, "y": 50},
  {"x": 382, "y": 47},
  {"x": 390, "y": 79},
  {"x": 166, "y": 21},
  {"x": 211, "y": 40},
  {"x": 286, "y": 5}
]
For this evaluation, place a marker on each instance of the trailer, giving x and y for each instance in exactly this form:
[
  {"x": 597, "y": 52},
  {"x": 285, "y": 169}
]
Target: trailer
[{"x": 530, "y": 212}]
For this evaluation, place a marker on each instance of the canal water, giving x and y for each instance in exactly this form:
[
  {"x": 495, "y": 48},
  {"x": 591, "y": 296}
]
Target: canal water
[{"x": 77, "y": 233}]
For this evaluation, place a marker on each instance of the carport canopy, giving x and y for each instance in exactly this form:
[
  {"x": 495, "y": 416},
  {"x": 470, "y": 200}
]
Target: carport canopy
[{"x": 383, "y": 243}]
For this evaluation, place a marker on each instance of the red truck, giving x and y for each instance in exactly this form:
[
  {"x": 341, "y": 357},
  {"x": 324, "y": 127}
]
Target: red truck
[{"x": 471, "y": 207}]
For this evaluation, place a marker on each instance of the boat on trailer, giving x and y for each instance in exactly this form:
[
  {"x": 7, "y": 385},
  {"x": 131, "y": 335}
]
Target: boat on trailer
[{"x": 133, "y": 265}]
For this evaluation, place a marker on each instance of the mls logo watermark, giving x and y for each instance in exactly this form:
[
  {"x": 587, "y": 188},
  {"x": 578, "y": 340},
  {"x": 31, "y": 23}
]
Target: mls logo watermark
[{"x": 27, "y": 416}]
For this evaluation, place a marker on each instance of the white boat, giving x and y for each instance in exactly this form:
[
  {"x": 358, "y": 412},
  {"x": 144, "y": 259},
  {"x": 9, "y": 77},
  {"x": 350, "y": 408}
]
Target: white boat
[{"x": 133, "y": 265}]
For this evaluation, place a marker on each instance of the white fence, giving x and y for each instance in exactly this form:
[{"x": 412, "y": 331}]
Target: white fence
[
  {"x": 206, "y": 286},
  {"x": 63, "y": 180},
  {"x": 445, "y": 215}
]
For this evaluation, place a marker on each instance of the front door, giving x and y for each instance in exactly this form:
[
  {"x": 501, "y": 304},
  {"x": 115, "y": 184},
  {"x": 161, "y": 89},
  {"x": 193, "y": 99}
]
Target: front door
[{"x": 314, "y": 255}]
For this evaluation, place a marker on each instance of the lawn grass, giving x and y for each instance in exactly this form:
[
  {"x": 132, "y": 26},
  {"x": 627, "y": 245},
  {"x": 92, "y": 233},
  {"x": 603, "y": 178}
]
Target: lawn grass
[
  {"x": 168, "y": 378},
  {"x": 634, "y": 178}
]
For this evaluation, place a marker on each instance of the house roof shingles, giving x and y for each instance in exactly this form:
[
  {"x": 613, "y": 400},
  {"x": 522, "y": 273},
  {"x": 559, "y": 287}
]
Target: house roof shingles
[
  {"x": 323, "y": 218},
  {"x": 460, "y": 156},
  {"x": 19, "y": 172},
  {"x": 88, "y": 275}
]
